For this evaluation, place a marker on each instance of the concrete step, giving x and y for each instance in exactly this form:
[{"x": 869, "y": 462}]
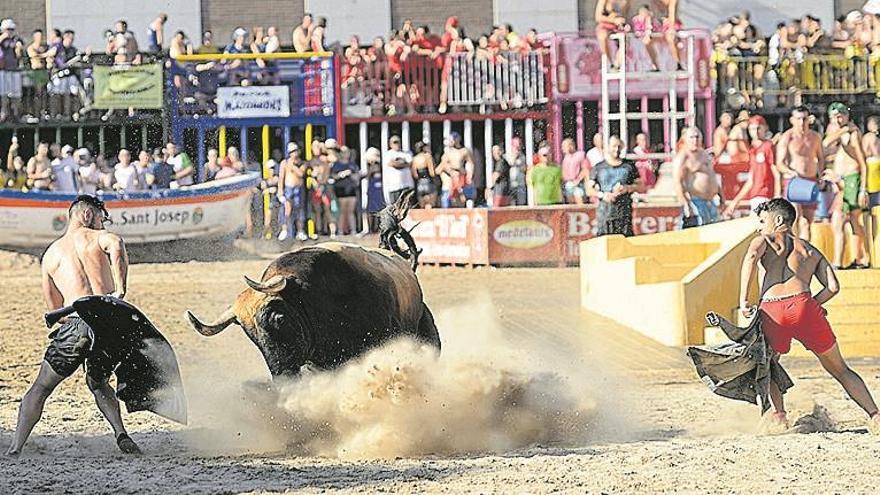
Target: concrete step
[
  {"x": 865, "y": 314},
  {"x": 856, "y": 295},
  {"x": 858, "y": 278}
]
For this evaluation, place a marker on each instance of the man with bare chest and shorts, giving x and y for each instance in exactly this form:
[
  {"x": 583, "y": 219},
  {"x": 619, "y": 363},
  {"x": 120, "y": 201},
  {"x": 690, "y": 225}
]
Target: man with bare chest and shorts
[
  {"x": 696, "y": 184},
  {"x": 799, "y": 154},
  {"x": 871, "y": 147},
  {"x": 850, "y": 173},
  {"x": 456, "y": 172},
  {"x": 292, "y": 194},
  {"x": 86, "y": 260},
  {"x": 787, "y": 265}
]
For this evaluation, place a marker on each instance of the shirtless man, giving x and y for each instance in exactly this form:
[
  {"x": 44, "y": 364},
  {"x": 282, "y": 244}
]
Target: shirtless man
[
  {"x": 695, "y": 181},
  {"x": 799, "y": 154},
  {"x": 86, "y": 260},
  {"x": 611, "y": 16},
  {"x": 720, "y": 136},
  {"x": 292, "y": 193},
  {"x": 456, "y": 172},
  {"x": 670, "y": 27},
  {"x": 788, "y": 309},
  {"x": 302, "y": 34},
  {"x": 871, "y": 147},
  {"x": 39, "y": 169},
  {"x": 850, "y": 173}
]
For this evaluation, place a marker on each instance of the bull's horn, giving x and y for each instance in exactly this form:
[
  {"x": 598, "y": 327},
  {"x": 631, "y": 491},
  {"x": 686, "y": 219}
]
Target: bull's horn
[
  {"x": 274, "y": 285},
  {"x": 208, "y": 329}
]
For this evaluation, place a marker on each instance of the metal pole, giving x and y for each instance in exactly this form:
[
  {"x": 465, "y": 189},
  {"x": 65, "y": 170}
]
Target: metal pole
[
  {"x": 468, "y": 134},
  {"x": 122, "y": 141},
  {"x": 365, "y": 184},
  {"x": 200, "y": 152},
  {"x": 579, "y": 123},
  {"x": 487, "y": 149},
  {"x": 221, "y": 141},
  {"x": 243, "y": 144},
  {"x": 426, "y": 132},
  {"x": 508, "y": 134},
  {"x": 267, "y": 200},
  {"x": 404, "y": 135}
]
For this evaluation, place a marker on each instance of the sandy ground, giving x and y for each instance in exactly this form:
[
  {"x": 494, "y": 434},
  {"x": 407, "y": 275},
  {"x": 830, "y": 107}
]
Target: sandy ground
[{"x": 652, "y": 426}]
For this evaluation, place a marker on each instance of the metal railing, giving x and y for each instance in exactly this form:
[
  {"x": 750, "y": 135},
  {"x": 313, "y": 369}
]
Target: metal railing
[
  {"x": 511, "y": 80},
  {"x": 747, "y": 80}
]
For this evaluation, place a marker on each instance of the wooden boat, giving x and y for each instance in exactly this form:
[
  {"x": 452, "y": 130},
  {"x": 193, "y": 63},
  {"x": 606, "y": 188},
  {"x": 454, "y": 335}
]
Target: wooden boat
[{"x": 209, "y": 210}]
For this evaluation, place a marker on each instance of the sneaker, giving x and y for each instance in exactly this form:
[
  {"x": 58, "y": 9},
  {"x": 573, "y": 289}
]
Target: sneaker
[
  {"x": 301, "y": 236},
  {"x": 313, "y": 237},
  {"x": 127, "y": 445},
  {"x": 282, "y": 236}
]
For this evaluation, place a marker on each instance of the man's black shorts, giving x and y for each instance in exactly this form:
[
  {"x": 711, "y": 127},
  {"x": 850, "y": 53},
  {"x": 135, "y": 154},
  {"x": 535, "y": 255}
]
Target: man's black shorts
[{"x": 71, "y": 346}]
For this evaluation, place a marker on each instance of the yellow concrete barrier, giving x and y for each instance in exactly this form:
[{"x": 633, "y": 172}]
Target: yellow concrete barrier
[{"x": 663, "y": 284}]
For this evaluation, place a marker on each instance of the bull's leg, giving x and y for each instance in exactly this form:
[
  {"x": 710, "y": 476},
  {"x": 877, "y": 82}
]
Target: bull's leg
[{"x": 427, "y": 331}]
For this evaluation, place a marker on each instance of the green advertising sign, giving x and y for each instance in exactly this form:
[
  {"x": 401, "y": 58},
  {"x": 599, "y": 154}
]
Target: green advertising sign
[{"x": 132, "y": 86}]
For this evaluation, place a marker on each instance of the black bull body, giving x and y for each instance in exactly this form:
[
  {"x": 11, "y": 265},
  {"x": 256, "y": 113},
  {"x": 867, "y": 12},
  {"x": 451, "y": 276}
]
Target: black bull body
[{"x": 326, "y": 304}]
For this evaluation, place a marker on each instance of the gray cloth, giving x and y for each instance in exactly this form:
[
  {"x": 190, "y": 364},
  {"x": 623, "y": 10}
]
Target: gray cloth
[{"x": 741, "y": 369}]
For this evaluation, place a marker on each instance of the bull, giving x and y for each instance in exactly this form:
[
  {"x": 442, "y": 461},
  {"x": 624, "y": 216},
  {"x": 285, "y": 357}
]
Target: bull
[{"x": 325, "y": 304}]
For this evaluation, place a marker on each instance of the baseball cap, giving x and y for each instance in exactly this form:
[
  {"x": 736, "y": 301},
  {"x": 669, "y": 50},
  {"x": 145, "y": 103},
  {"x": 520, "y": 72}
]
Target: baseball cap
[
  {"x": 331, "y": 144},
  {"x": 372, "y": 154},
  {"x": 838, "y": 107},
  {"x": 66, "y": 149},
  {"x": 7, "y": 24},
  {"x": 240, "y": 31},
  {"x": 291, "y": 147}
]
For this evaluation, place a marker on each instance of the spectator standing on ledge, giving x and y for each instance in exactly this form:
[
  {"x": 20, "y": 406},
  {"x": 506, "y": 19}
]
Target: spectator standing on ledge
[
  {"x": 317, "y": 41},
  {"x": 545, "y": 179},
  {"x": 161, "y": 173},
  {"x": 456, "y": 171},
  {"x": 142, "y": 165},
  {"x": 302, "y": 34},
  {"x": 208, "y": 45},
  {"x": 211, "y": 166},
  {"x": 763, "y": 175},
  {"x": 613, "y": 181},
  {"x": 125, "y": 173},
  {"x": 183, "y": 166},
  {"x": 65, "y": 171},
  {"x": 396, "y": 174},
  {"x": 575, "y": 171},
  {"x": 156, "y": 33},
  {"x": 11, "y": 49},
  {"x": 425, "y": 175},
  {"x": 39, "y": 169},
  {"x": 516, "y": 159},
  {"x": 89, "y": 173},
  {"x": 375, "y": 188},
  {"x": 595, "y": 154},
  {"x": 346, "y": 180},
  {"x": 695, "y": 181},
  {"x": 500, "y": 178}
]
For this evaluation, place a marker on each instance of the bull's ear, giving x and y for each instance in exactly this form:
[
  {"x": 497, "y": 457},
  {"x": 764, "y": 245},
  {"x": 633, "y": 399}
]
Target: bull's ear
[{"x": 272, "y": 286}]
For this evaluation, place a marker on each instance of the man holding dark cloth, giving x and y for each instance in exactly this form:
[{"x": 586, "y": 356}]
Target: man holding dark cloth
[{"x": 613, "y": 181}]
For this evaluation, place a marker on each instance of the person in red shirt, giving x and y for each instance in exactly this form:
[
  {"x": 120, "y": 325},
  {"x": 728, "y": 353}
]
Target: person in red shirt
[{"x": 763, "y": 176}]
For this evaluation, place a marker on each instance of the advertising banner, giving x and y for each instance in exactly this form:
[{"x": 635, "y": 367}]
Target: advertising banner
[
  {"x": 253, "y": 101},
  {"x": 520, "y": 236},
  {"x": 455, "y": 236},
  {"x": 128, "y": 86}
]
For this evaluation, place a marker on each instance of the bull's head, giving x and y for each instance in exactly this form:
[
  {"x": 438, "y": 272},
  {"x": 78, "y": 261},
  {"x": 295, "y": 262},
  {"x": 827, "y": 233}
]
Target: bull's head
[{"x": 273, "y": 320}]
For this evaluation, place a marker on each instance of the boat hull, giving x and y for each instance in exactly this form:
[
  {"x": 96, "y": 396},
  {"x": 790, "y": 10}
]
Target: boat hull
[{"x": 213, "y": 209}]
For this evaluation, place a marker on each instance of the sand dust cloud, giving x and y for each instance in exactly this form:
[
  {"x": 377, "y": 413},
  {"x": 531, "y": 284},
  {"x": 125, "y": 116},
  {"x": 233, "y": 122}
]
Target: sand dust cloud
[{"x": 482, "y": 394}]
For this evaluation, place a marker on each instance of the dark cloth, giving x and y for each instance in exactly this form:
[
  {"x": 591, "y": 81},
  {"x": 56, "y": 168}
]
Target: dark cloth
[
  {"x": 72, "y": 345},
  {"x": 614, "y": 217},
  {"x": 502, "y": 183},
  {"x": 741, "y": 369},
  {"x": 347, "y": 186},
  {"x": 8, "y": 57},
  {"x": 375, "y": 196},
  {"x": 163, "y": 174}
]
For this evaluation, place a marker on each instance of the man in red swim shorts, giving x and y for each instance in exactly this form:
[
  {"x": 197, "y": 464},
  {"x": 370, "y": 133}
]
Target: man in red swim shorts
[{"x": 788, "y": 309}]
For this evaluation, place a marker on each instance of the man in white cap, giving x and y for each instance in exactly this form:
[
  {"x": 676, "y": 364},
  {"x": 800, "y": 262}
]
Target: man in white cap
[
  {"x": 11, "y": 48},
  {"x": 89, "y": 173},
  {"x": 65, "y": 171},
  {"x": 292, "y": 193},
  {"x": 125, "y": 173}
]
